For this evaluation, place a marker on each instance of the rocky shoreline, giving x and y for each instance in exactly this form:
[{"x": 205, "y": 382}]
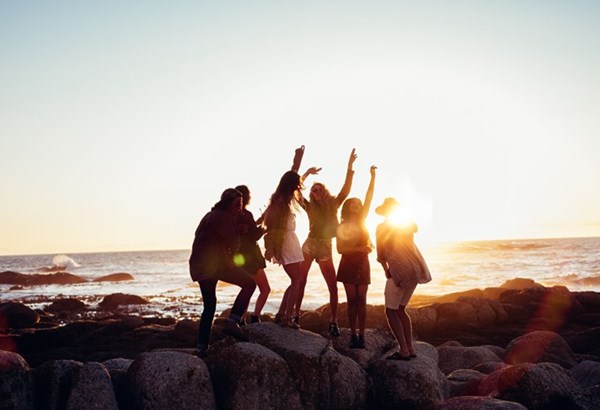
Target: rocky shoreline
[{"x": 520, "y": 345}]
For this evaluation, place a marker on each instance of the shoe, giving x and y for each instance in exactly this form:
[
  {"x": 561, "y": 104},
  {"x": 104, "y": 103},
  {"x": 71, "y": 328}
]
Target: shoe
[
  {"x": 242, "y": 322},
  {"x": 398, "y": 356},
  {"x": 254, "y": 319},
  {"x": 412, "y": 355},
  {"x": 278, "y": 318},
  {"x": 296, "y": 319},
  {"x": 202, "y": 351},
  {"x": 360, "y": 342},
  {"x": 334, "y": 330},
  {"x": 233, "y": 329},
  {"x": 353, "y": 341}
]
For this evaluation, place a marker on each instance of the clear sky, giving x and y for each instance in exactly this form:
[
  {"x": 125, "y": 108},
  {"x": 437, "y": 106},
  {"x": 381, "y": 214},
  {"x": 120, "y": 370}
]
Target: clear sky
[{"x": 121, "y": 122}]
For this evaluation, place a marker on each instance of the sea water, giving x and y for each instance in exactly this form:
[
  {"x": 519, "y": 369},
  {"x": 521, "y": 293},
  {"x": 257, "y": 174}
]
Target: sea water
[{"x": 162, "y": 277}]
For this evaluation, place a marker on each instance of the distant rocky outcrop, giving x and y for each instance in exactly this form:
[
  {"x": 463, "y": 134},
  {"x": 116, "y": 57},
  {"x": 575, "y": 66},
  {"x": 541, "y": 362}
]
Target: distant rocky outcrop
[{"x": 57, "y": 278}]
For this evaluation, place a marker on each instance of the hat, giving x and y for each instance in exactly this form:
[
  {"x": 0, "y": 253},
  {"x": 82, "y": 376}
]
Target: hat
[{"x": 387, "y": 206}]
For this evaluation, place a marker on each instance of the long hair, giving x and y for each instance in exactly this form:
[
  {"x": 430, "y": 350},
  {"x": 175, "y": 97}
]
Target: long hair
[
  {"x": 243, "y": 189},
  {"x": 282, "y": 199},
  {"x": 351, "y": 209}
]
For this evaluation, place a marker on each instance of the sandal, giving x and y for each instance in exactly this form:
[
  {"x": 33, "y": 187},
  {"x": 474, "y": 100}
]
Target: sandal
[{"x": 397, "y": 356}]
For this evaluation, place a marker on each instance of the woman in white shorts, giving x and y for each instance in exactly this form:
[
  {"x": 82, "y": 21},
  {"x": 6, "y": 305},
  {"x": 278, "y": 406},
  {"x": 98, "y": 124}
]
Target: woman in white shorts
[{"x": 404, "y": 269}]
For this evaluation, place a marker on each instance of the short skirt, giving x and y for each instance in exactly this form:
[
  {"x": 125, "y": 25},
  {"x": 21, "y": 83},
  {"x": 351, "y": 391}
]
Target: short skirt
[{"x": 354, "y": 269}]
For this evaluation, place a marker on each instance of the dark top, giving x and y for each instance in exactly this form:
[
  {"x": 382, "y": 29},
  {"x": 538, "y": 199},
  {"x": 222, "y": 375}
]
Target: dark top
[
  {"x": 215, "y": 242},
  {"x": 354, "y": 265},
  {"x": 249, "y": 249}
]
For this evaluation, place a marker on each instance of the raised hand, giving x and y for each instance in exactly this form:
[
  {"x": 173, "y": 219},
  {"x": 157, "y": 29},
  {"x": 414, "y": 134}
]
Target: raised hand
[{"x": 352, "y": 158}]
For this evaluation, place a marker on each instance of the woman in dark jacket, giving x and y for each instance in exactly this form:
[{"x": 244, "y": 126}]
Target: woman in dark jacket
[
  {"x": 252, "y": 260},
  {"x": 215, "y": 244}
]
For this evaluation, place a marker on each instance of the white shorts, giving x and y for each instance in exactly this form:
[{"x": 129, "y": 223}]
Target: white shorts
[{"x": 396, "y": 296}]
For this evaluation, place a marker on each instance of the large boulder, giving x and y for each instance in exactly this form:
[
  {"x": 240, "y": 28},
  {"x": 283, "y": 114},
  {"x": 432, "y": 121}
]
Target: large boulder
[
  {"x": 587, "y": 373},
  {"x": 377, "y": 342},
  {"x": 536, "y": 386},
  {"x": 53, "y": 383},
  {"x": 414, "y": 384},
  {"x": 248, "y": 375},
  {"x": 540, "y": 346},
  {"x": 114, "y": 300},
  {"x": 463, "y": 382},
  {"x": 16, "y": 384},
  {"x": 65, "y": 305},
  {"x": 452, "y": 358},
  {"x": 114, "y": 277},
  {"x": 117, "y": 368},
  {"x": 15, "y": 315},
  {"x": 478, "y": 403},
  {"x": 324, "y": 378},
  {"x": 168, "y": 380},
  {"x": 92, "y": 389}
]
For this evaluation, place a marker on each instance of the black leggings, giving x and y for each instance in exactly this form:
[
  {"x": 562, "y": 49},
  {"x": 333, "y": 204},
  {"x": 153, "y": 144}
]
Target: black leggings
[{"x": 235, "y": 276}]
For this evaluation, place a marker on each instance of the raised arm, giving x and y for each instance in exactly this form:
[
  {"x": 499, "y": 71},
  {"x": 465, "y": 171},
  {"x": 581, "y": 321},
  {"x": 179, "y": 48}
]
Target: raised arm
[
  {"x": 345, "y": 191},
  {"x": 369, "y": 194},
  {"x": 298, "y": 153}
]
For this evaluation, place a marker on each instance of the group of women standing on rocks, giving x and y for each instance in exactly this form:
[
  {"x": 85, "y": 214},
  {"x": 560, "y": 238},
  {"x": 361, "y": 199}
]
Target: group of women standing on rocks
[{"x": 226, "y": 248}]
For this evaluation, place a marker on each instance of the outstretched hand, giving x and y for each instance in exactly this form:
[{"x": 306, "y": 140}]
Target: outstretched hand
[
  {"x": 298, "y": 154},
  {"x": 373, "y": 170},
  {"x": 313, "y": 171}
]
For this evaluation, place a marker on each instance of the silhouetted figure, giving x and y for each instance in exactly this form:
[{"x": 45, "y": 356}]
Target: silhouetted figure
[
  {"x": 216, "y": 243},
  {"x": 252, "y": 260},
  {"x": 354, "y": 244},
  {"x": 281, "y": 242},
  {"x": 404, "y": 268},
  {"x": 322, "y": 208}
]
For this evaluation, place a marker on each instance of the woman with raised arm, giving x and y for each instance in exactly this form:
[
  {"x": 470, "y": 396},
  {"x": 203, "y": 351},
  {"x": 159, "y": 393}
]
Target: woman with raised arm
[
  {"x": 281, "y": 242},
  {"x": 322, "y": 208},
  {"x": 404, "y": 269},
  {"x": 354, "y": 244},
  {"x": 215, "y": 246}
]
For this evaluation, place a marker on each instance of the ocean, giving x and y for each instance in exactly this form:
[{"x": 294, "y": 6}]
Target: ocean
[{"x": 162, "y": 276}]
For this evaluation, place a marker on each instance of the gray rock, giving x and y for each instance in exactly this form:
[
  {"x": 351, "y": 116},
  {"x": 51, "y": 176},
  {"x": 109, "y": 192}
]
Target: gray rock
[
  {"x": 16, "y": 384},
  {"x": 248, "y": 375},
  {"x": 53, "y": 383},
  {"x": 536, "y": 386},
  {"x": 416, "y": 383},
  {"x": 92, "y": 389},
  {"x": 169, "y": 380},
  {"x": 117, "y": 368},
  {"x": 478, "y": 403},
  {"x": 377, "y": 341},
  {"x": 463, "y": 382},
  {"x": 538, "y": 347},
  {"x": 461, "y": 357},
  {"x": 320, "y": 373},
  {"x": 587, "y": 373}
]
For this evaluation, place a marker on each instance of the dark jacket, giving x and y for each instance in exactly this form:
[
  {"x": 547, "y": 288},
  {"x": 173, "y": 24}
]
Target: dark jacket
[{"x": 216, "y": 241}]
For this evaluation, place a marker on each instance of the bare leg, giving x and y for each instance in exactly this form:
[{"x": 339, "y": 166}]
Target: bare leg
[
  {"x": 328, "y": 271},
  {"x": 351, "y": 297},
  {"x": 294, "y": 271},
  {"x": 406, "y": 326},
  {"x": 302, "y": 282},
  {"x": 397, "y": 329},
  {"x": 263, "y": 287},
  {"x": 361, "y": 303}
]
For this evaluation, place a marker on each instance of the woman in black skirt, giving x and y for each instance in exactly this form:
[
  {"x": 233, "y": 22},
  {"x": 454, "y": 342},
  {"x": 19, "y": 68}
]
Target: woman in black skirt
[{"x": 354, "y": 244}]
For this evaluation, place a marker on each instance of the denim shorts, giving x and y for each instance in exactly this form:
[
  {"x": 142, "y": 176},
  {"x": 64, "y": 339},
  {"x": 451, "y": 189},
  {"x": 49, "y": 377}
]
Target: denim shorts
[{"x": 318, "y": 249}]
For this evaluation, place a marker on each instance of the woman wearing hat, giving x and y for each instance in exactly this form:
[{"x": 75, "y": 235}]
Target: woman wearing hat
[
  {"x": 404, "y": 268},
  {"x": 354, "y": 244}
]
